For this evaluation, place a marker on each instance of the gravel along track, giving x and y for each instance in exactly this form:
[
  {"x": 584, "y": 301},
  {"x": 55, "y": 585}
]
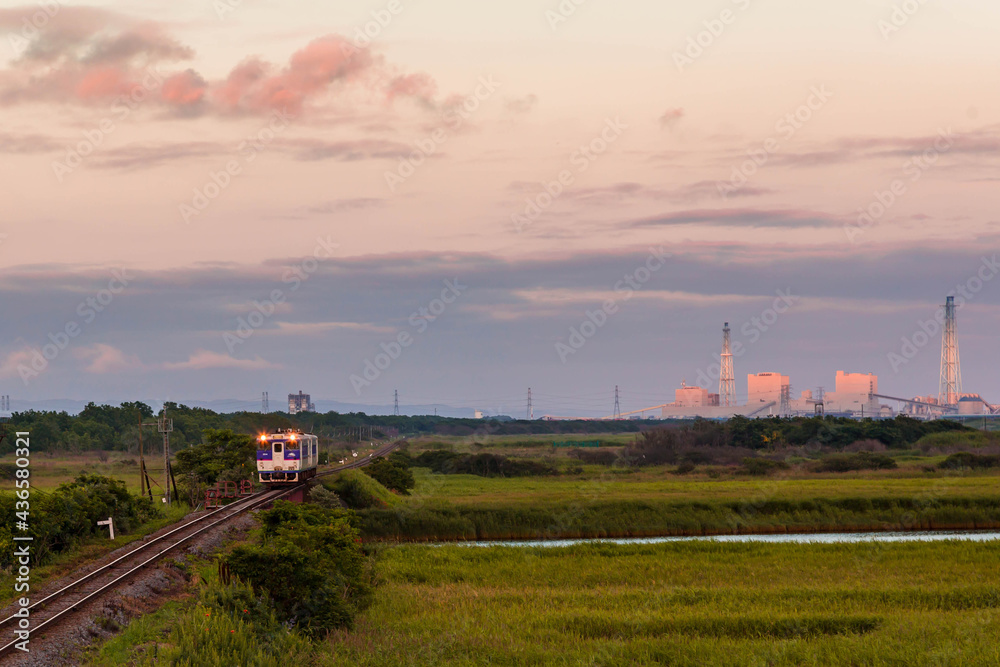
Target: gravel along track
[
  {"x": 98, "y": 599},
  {"x": 62, "y": 614}
]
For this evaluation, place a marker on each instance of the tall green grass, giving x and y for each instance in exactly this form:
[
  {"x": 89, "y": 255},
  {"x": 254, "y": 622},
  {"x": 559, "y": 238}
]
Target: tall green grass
[
  {"x": 699, "y": 604},
  {"x": 657, "y": 517}
]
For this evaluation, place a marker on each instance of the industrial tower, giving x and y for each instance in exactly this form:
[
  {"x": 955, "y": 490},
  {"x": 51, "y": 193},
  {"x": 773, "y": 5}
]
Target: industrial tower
[
  {"x": 951, "y": 370},
  {"x": 727, "y": 379}
]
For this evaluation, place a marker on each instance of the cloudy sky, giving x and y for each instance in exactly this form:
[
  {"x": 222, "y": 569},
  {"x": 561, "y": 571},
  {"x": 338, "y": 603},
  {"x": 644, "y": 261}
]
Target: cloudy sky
[{"x": 207, "y": 200}]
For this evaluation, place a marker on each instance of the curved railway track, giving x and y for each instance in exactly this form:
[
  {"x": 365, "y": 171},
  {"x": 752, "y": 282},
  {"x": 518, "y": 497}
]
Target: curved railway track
[
  {"x": 46, "y": 612},
  {"x": 362, "y": 462},
  {"x": 67, "y": 599}
]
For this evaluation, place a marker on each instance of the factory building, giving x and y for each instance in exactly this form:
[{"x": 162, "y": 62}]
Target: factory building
[
  {"x": 300, "y": 403},
  {"x": 764, "y": 388},
  {"x": 691, "y": 397},
  {"x": 854, "y": 394},
  {"x": 971, "y": 404}
]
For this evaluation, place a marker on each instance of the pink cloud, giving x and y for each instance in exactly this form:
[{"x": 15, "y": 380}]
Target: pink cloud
[
  {"x": 104, "y": 358},
  {"x": 204, "y": 359},
  {"x": 184, "y": 89},
  {"x": 230, "y": 93},
  {"x": 96, "y": 60},
  {"x": 102, "y": 82},
  {"x": 671, "y": 117},
  {"x": 22, "y": 357},
  {"x": 419, "y": 86}
]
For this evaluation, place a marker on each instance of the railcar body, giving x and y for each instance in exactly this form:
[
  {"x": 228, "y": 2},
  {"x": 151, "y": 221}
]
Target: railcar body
[{"x": 286, "y": 457}]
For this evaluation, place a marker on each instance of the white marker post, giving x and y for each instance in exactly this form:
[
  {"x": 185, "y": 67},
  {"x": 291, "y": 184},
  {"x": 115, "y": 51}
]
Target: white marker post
[{"x": 110, "y": 523}]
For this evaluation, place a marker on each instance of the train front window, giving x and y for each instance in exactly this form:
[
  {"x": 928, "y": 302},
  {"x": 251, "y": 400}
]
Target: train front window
[
  {"x": 293, "y": 444},
  {"x": 277, "y": 448}
]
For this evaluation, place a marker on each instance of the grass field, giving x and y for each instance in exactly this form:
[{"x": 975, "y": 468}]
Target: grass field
[
  {"x": 681, "y": 604},
  {"x": 50, "y": 470},
  {"x": 599, "y": 482},
  {"x": 653, "y": 501}
]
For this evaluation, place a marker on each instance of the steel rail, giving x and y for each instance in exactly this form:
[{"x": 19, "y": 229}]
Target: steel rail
[
  {"x": 248, "y": 504},
  {"x": 230, "y": 512}
]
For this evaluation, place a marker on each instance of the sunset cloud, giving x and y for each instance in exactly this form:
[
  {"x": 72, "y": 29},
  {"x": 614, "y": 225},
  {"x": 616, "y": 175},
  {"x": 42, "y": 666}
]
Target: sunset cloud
[
  {"x": 671, "y": 117},
  {"x": 206, "y": 359},
  {"x": 102, "y": 358},
  {"x": 91, "y": 56}
]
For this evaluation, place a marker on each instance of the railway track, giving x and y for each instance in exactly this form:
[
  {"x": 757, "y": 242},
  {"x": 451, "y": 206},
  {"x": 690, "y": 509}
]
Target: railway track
[
  {"x": 362, "y": 462},
  {"x": 57, "y": 605}
]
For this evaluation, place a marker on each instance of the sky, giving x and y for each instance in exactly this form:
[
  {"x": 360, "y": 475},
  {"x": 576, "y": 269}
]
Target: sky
[{"x": 208, "y": 200}]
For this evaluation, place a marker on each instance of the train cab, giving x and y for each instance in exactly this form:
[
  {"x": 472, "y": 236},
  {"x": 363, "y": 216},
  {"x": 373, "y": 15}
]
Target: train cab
[{"x": 286, "y": 457}]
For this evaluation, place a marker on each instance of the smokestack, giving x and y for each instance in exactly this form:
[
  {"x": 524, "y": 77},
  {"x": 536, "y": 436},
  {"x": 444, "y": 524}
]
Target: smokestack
[
  {"x": 950, "y": 385},
  {"x": 727, "y": 378}
]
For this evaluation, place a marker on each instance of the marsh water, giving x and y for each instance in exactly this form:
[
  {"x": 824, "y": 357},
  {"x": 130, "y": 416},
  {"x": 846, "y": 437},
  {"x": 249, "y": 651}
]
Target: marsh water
[{"x": 803, "y": 538}]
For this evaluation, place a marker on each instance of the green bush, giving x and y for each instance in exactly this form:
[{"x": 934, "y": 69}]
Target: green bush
[
  {"x": 685, "y": 468},
  {"x": 483, "y": 465},
  {"x": 222, "y": 451},
  {"x": 858, "y": 461},
  {"x": 761, "y": 467},
  {"x": 391, "y": 473},
  {"x": 231, "y": 625},
  {"x": 69, "y": 514},
  {"x": 324, "y": 497},
  {"x": 310, "y": 564},
  {"x": 967, "y": 460},
  {"x": 359, "y": 491},
  {"x": 604, "y": 457}
]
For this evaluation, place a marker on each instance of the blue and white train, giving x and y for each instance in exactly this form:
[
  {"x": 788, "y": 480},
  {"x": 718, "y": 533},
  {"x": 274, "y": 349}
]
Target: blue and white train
[{"x": 286, "y": 457}]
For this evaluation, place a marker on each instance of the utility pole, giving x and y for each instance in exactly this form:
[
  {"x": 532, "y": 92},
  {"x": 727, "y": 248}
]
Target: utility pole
[
  {"x": 165, "y": 427},
  {"x": 618, "y": 408},
  {"x": 142, "y": 464},
  {"x": 395, "y": 407},
  {"x": 531, "y": 412}
]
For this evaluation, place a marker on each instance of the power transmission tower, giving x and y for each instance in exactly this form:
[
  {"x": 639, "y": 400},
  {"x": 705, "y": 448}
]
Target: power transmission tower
[
  {"x": 618, "y": 408},
  {"x": 951, "y": 370},
  {"x": 727, "y": 379},
  {"x": 264, "y": 407},
  {"x": 395, "y": 407},
  {"x": 531, "y": 412}
]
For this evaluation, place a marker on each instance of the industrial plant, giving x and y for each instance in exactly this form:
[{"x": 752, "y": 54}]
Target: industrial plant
[{"x": 855, "y": 395}]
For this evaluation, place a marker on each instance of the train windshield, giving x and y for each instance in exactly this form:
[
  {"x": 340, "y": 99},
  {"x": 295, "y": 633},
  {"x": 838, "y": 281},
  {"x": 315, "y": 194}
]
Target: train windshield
[
  {"x": 277, "y": 447},
  {"x": 293, "y": 444}
]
